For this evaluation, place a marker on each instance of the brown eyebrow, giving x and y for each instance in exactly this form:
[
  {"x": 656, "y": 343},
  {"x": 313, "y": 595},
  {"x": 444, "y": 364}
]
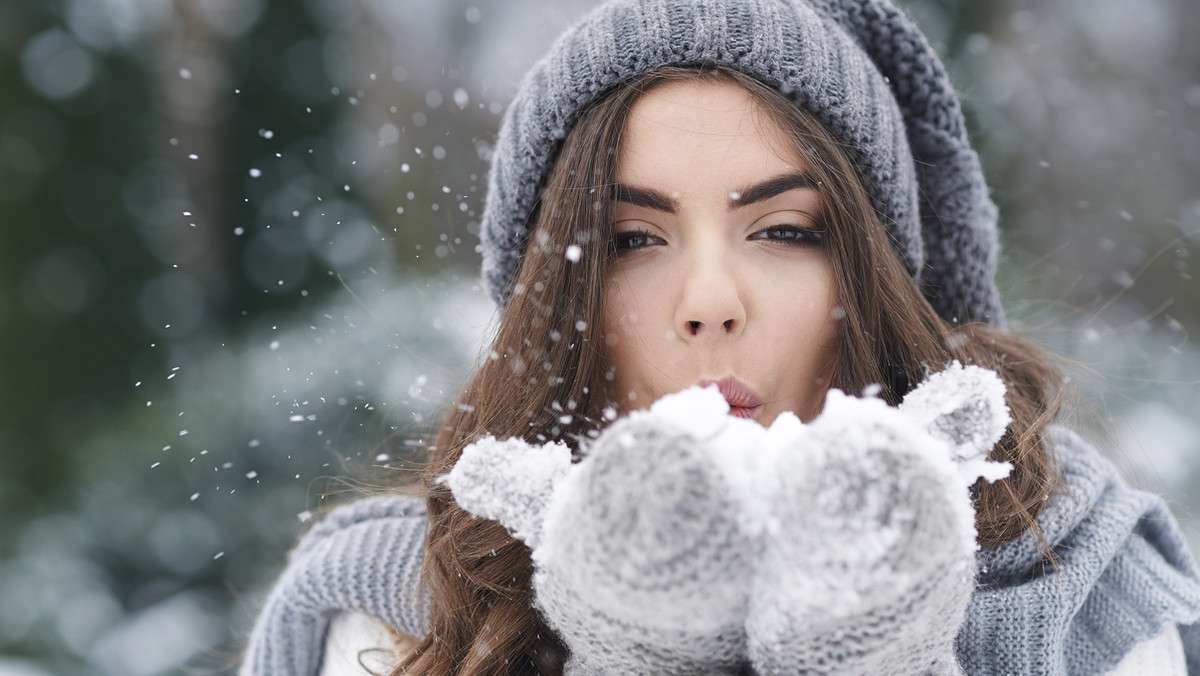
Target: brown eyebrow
[
  {"x": 652, "y": 199},
  {"x": 645, "y": 197},
  {"x": 770, "y": 188}
]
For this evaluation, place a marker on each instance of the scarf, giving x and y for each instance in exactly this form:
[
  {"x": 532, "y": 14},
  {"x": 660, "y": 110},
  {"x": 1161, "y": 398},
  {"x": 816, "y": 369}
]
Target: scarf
[{"x": 1124, "y": 573}]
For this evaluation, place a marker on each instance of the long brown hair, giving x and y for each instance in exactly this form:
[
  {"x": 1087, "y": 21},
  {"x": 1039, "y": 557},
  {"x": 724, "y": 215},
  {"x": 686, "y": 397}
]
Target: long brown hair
[{"x": 545, "y": 376}]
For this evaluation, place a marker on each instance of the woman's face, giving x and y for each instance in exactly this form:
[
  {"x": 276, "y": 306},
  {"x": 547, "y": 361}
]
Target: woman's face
[{"x": 719, "y": 273}]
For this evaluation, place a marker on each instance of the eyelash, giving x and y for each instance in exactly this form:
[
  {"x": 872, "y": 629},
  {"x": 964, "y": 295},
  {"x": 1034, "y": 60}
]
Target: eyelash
[
  {"x": 622, "y": 242},
  {"x": 792, "y": 235}
]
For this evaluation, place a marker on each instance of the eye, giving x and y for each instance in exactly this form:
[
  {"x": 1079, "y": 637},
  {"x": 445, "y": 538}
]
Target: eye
[
  {"x": 632, "y": 240},
  {"x": 789, "y": 234}
]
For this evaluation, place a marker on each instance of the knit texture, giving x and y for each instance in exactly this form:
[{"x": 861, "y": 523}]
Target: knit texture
[
  {"x": 640, "y": 559},
  {"x": 860, "y": 66},
  {"x": 688, "y": 541},
  {"x": 869, "y": 564},
  {"x": 364, "y": 556},
  {"x": 1125, "y": 574}
]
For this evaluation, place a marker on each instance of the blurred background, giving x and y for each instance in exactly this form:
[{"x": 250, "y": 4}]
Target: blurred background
[{"x": 238, "y": 265}]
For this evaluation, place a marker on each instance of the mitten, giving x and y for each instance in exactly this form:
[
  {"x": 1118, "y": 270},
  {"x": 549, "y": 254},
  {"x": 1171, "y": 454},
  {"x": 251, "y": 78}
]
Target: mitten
[
  {"x": 641, "y": 558},
  {"x": 867, "y": 558}
]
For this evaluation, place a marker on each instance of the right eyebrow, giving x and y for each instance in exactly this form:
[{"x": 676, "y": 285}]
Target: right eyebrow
[
  {"x": 770, "y": 188},
  {"x": 645, "y": 197}
]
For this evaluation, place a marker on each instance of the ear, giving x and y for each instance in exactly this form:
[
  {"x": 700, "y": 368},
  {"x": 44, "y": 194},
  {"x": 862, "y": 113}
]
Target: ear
[
  {"x": 962, "y": 406},
  {"x": 509, "y": 481}
]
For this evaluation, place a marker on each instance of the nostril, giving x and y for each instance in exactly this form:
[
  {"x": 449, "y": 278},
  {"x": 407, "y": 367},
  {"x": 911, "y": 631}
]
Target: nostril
[
  {"x": 728, "y": 324},
  {"x": 694, "y": 326}
]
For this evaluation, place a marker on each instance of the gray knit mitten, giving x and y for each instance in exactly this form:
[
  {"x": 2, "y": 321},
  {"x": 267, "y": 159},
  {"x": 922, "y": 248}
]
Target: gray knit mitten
[
  {"x": 688, "y": 541},
  {"x": 868, "y": 562},
  {"x": 641, "y": 559}
]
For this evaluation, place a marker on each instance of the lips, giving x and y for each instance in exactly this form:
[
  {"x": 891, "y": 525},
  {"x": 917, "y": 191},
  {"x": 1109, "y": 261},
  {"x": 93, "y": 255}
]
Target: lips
[{"x": 743, "y": 401}]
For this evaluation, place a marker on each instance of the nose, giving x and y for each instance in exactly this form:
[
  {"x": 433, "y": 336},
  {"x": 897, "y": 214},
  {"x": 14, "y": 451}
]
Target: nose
[{"x": 710, "y": 301}]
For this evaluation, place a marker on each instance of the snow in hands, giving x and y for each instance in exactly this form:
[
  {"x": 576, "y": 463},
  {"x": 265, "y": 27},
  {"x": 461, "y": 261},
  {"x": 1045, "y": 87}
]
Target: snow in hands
[{"x": 688, "y": 540}]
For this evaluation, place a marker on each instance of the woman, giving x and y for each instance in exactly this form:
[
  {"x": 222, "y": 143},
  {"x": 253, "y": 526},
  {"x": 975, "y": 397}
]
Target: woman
[{"x": 776, "y": 196}]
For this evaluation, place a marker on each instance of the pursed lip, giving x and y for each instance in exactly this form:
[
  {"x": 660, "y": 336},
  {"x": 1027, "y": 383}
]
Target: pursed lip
[{"x": 743, "y": 401}]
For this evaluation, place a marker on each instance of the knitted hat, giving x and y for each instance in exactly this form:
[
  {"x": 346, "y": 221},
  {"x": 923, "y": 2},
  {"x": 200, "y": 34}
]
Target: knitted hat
[{"x": 860, "y": 66}]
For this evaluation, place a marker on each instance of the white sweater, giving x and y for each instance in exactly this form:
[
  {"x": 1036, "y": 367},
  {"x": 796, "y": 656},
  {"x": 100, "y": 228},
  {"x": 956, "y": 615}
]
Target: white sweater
[{"x": 357, "y": 645}]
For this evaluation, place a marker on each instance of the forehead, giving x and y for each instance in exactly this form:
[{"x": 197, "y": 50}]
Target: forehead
[{"x": 703, "y": 125}]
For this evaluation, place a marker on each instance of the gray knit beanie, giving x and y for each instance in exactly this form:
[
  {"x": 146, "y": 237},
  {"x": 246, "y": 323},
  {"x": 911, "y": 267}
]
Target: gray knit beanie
[{"x": 860, "y": 66}]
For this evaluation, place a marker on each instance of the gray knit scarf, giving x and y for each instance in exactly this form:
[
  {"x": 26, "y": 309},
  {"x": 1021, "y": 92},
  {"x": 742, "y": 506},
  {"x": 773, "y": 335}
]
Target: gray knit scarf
[{"x": 1125, "y": 573}]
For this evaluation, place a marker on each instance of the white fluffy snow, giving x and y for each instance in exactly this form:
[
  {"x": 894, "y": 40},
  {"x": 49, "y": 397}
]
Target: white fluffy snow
[
  {"x": 952, "y": 420},
  {"x": 509, "y": 481}
]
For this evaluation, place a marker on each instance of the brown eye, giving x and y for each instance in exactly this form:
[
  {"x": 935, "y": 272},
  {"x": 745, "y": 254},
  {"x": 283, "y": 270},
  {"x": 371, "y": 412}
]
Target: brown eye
[
  {"x": 789, "y": 234},
  {"x": 632, "y": 240}
]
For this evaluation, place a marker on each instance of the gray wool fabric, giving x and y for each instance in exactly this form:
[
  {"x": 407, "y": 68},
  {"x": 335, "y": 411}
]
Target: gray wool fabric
[
  {"x": 362, "y": 557},
  {"x": 675, "y": 602},
  {"x": 687, "y": 541},
  {"x": 846, "y": 595},
  {"x": 860, "y": 66},
  {"x": 1125, "y": 574}
]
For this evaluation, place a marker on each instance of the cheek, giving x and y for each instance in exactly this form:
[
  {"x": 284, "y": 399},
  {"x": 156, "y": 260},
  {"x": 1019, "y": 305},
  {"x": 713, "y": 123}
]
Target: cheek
[
  {"x": 810, "y": 337},
  {"x": 827, "y": 328},
  {"x": 624, "y": 347},
  {"x": 630, "y": 312},
  {"x": 808, "y": 331},
  {"x": 621, "y": 326},
  {"x": 804, "y": 301},
  {"x": 637, "y": 342},
  {"x": 615, "y": 318},
  {"x": 824, "y": 321}
]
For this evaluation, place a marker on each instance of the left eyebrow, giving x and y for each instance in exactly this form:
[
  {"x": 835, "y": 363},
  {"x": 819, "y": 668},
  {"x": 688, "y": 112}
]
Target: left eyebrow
[{"x": 770, "y": 188}]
